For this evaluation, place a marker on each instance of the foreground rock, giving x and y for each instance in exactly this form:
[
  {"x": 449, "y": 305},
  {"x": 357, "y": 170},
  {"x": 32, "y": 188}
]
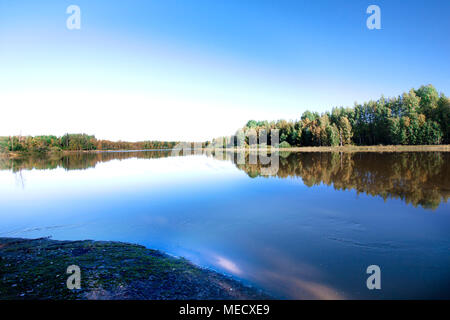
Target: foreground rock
[{"x": 36, "y": 269}]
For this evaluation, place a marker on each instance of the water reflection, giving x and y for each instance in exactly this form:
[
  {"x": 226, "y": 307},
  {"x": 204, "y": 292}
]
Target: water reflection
[
  {"x": 75, "y": 161},
  {"x": 418, "y": 178},
  {"x": 301, "y": 233}
]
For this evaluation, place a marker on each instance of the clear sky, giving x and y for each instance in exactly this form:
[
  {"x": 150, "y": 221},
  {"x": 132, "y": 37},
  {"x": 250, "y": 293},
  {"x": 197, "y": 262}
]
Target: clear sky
[{"x": 197, "y": 69}]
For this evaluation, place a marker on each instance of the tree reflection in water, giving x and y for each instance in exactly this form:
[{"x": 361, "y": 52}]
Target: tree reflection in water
[{"x": 419, "y": 178}]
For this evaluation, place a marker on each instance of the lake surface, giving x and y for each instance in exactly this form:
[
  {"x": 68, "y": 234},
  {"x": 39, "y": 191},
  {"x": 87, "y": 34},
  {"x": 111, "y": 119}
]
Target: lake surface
[{"x": 309, "y": 229}]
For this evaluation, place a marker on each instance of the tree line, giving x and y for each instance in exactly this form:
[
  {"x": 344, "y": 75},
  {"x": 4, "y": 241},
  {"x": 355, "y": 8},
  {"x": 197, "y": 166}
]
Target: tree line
[
  {"x": 418, "y": 117},
  {"x": 75, "y": 142}
]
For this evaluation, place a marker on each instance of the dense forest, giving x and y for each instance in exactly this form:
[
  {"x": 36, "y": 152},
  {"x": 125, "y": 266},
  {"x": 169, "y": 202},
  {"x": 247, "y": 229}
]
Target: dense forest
[
  {"x": 75, "y": 142},
  {"x": 419, "y": 117}
]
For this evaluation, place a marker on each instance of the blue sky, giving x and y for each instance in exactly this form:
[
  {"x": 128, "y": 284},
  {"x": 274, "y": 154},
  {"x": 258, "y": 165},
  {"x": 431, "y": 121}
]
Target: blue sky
[{"x": 196, "y": 69}]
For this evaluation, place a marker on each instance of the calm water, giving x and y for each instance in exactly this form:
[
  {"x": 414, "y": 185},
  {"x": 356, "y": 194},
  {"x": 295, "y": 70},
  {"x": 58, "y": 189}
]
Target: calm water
[{"x": 308, "y": 231}]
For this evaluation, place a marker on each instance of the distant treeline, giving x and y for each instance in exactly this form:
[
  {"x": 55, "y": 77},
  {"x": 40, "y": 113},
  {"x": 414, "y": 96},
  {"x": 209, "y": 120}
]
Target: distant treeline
[
  {"x": 419, "y": 117},
  {"x": 75, "y": 142}
]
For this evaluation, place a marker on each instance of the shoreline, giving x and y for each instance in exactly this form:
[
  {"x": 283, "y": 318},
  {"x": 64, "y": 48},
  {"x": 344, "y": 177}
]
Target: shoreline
[
  {"x": 69, "y": 152},
  {"x": 397, "y": 148},
  {"x": 36, "y": 269},
  {"x": 350, "y": 148}
]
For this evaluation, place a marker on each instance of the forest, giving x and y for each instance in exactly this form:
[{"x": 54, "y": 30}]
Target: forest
[{"x": 419, "y": 117}]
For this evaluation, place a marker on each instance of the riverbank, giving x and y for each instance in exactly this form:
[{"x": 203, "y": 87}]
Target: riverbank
[
  {"x": 36, "y": 269},
  {"x": 350, "y": 148}
]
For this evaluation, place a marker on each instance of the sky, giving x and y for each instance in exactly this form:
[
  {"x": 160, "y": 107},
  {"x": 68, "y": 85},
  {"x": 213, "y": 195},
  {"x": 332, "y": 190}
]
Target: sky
[{"x": 193, "y": 70}]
